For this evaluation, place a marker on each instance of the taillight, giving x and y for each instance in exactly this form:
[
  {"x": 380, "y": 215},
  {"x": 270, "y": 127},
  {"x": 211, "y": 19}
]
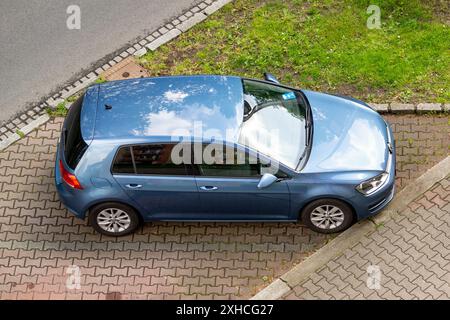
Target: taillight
[{"x": 69, "y": 178}]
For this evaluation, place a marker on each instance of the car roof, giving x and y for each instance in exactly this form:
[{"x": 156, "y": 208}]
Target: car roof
[{"x": 188, "y": 106}]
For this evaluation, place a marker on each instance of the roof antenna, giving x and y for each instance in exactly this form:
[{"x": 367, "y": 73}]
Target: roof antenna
[{"x": 108, "y": 107}]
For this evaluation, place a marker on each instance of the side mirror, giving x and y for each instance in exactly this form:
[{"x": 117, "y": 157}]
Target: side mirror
[
  {"x": 270, "y": 77},
  {"x": 266, "y": 180}
]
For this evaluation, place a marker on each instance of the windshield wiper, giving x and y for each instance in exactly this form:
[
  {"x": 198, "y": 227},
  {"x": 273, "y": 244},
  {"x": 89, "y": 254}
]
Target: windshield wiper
[
  {"x": 308, "y": 126},
  {"x": 308, "y": 132}
]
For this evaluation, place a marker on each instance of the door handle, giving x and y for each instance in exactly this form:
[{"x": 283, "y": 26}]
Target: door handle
[
  {"x": 208, "y": 188},
  {"x": 133, "y": 186}
]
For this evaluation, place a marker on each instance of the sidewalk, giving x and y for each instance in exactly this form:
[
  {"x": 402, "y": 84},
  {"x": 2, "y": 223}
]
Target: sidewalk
[
  {"x": 40, "y": 240},
  {"x": 411, "y": 251}
]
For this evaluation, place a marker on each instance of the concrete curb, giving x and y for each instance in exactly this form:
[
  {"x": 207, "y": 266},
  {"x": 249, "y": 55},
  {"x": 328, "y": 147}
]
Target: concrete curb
[
  {"x": 28, "y": 120},
  {"x": 401, "y": 108},
  {"x": 25, "y": 130},
  {"x": 354, "y": 234}
]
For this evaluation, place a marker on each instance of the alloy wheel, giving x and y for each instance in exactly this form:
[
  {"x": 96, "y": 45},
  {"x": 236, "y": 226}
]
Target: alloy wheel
[
  {"x": 327, "y": 217},
  {"x": 113, "y": 220}
]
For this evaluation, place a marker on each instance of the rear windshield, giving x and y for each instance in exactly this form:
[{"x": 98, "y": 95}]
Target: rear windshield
[{"x": 74, "y": 143}]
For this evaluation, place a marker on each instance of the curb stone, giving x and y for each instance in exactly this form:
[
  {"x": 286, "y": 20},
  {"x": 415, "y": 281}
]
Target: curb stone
[
  {"x": 166, "y": 37},
  {"x": 25, "y": 130},
  {"x": 426, "y": 107},
  {"x": 196, "y": 18},
  {"x": 402, "y": 107},
  {"x": 351, "y": 236},
  {"x": 380, "y": 107},
  {"x": 153, "y": 40}
]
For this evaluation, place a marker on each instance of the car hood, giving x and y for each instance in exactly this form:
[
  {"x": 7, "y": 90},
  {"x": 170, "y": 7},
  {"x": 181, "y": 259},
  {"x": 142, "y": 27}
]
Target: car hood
[{"x": 347, "y": 135}]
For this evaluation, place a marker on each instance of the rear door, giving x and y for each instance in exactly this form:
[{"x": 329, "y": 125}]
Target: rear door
[{"x": 147, "y": 174}]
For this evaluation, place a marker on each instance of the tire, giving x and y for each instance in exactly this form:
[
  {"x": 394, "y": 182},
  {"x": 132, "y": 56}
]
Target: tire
[
  {"x": 314, "y": 215},
  {"x": 127, "y": 223}
]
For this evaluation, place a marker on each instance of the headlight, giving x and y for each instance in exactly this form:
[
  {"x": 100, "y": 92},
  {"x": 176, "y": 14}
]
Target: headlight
[{"x": 370, "y": 186}]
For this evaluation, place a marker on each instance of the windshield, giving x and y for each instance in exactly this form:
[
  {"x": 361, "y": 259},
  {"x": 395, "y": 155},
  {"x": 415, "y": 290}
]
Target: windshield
[{"x": 274, "y": 122}]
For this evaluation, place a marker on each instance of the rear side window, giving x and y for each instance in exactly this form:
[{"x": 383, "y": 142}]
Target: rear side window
[
  {"x": 156, "y": 159},
  {"x": 74, "y": 143},
  {"x": 147, "y": 159},
  {"x": 123, "y": 162}
]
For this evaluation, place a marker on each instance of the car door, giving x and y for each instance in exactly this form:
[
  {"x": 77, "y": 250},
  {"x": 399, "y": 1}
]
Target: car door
[
  {"x": 163, "y": 189},
  {"x": 228, "y": 191}
]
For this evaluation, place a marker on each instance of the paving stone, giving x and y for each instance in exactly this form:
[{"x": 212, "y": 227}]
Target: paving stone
[
  {"x": 163, "y": 30},
  {"x": 411, "y": 275},
  {"x": 201, "y": 258},
  {"x": 150, "y": 38},
  {"x": 125, "y": 69}
]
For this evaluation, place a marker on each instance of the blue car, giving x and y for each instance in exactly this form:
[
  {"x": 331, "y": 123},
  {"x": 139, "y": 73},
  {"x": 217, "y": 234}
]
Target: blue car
[{"x": 222, "y": 148}]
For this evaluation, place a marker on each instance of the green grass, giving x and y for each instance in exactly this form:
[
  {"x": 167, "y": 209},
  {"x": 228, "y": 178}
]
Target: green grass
[
  {"x": 59, "y": 111},
  {"x": 20, "y": 133},
  {"x": 73, "y": 98},
  {"x": 100, "y": 80},
  {"x": 322, "y": 45}
]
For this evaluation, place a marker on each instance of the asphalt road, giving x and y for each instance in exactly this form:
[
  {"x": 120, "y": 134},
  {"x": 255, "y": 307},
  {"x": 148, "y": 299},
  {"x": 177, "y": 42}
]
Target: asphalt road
[{"x": 38, "y": 52}]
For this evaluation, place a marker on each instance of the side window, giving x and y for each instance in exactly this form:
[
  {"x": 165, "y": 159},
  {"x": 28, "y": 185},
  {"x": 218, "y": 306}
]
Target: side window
[
  {"x": 156, "y": 159},
  {"x": 220, "y": 161},
  {"x": 123, "y": 163}
]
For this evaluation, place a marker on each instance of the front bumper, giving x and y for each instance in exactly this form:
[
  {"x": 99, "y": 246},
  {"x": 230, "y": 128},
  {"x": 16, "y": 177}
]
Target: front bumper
[{"x": 370, "y": 205}]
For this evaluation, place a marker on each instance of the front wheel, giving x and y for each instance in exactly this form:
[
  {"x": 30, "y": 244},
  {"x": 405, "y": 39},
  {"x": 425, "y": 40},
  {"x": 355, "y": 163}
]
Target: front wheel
[
  {"x": 327, "y": 215},
  {"x": 113, "y": 219}
]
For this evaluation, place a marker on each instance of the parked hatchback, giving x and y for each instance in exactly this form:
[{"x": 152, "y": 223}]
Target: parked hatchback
[{"x": 222, "y": 148}]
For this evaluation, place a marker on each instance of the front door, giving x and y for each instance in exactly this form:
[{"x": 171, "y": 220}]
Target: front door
[{"x": 228, "y": 191}]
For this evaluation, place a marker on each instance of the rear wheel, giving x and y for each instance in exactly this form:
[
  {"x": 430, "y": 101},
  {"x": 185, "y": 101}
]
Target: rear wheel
[
  {"x": 327, "y": 215},
  {"x": 113, "y": 219}
]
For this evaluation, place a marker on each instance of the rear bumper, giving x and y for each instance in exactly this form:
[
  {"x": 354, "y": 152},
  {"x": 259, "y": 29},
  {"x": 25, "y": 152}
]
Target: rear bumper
[{"x": 68, "y": 199}]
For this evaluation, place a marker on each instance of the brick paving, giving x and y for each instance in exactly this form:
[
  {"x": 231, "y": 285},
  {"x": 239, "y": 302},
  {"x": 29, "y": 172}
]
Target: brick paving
[
  {"x": 412, "y": 252},
  {"x": 40, "y": 240},
  {"x": 421, "y": 141}
]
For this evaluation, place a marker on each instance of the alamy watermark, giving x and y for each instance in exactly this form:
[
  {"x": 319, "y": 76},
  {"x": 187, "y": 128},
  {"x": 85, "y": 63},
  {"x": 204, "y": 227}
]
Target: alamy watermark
[
  {"x": 73, "y": 21},
  {"x": 374, "y": 20},
  {"x": 374, "y": 277},
  {"x": 214, "y": 149},
  {"x": 73, "y": 281}
]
